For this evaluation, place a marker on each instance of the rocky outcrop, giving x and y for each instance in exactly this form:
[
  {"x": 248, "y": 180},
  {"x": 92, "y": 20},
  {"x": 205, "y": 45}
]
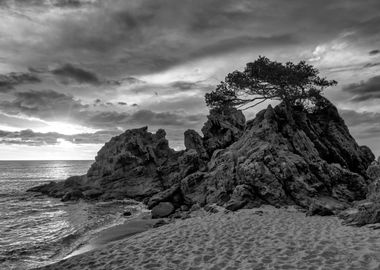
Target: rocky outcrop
[
  {"x": 222, "y": 129},
  {"x": 284, "y": 156},
  {"x": 288, "y": 157},
  {"x": 136, "y": 164},
  {"x": 194, "y": 141}
]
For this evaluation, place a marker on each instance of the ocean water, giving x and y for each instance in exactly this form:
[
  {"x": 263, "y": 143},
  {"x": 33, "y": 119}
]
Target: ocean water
[{"x": 36, "y": 230}]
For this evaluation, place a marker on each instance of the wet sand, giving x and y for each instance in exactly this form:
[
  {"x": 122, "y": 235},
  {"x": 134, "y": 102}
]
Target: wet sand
[
  {"x": 247, "y": 239},
  {"x": 131, "y": 227}
]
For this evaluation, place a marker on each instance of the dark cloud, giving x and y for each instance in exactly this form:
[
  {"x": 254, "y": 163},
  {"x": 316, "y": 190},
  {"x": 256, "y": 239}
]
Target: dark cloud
[
  {"x": 132, "y": 80},
  {"x": 68, "y": 3},
  {"x": 363, "y": 91},
  {"x": 122, "y": 103},
  {"x": 164, "y": 118},
  {"x": 369, "y": 65},
  {"x": 374, "y": 52},
  {"x": 354, "y": 118},
  {"x": 140, "y": 37},
  {"x": 363, "y": 124},
  {"x": 69, "y": 72},
  {"x": 53, "y": 106},
  {"x": 46, "y": 3},
  {"x": 29, "y": 137},
  {"x": 44, "y": 104},
  {"x": 242, "y": 42},
  {"x": 168, "y": 89},
  {"x": 10, "y": 80},
  {"x": 191, "y": 86}
]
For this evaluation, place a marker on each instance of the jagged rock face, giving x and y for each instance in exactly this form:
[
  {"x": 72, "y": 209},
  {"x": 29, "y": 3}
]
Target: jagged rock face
[
  {"x": 136, "y": 164},
  {"x": 333, "y": 140},
  {"x": 281, "y": 157},
  {"x": 194, "y": 141},
  {"x": 286, "y": 158},
  {"x": 128, "y": 164},
  {"x": 366, "y": 211},
  {"x": 373, "y": 170},
  {"x": 222, "y": 129}
]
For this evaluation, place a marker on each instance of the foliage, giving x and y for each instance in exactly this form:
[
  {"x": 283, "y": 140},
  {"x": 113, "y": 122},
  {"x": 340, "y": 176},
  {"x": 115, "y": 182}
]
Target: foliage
[{"x": 263, "y": 79}]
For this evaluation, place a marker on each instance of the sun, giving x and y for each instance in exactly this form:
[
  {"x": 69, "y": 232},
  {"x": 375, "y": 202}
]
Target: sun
[{"x": 65, "y": 128}]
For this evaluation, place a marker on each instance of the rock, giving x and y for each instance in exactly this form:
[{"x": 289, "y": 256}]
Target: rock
[
  {"x": 211, "y": 209},
  {"x": 92, "y": 194},
  {"x": 185, "y": 208},
  {"x": 319, "y": 209},
  {"x": 71, "y": 196},
  {"x": 185, "y": 215},
  {"x": 190, "y": 162},
  {"x": 288, "y": 157},
  {"x": 163, "y": 209},
  {"x": 235, "y": 205},
  {"x": 362, "y": 214},
  {"x": 160, "y": 223},
  {"x": 195, "y": 207},
  {"x": 193, "y": 187},
  {"x": 285, "y": 156},
  {"x": 194, "y": 141},
  {"x": 127, "y": 213},
  {"x": 367, "y": 211},
  {"x": 136, "y": 164},
  {"x": 222, "y": 129},
  {"x": 367, "y": 153},
  {"x": 241, "y": 196},
  {"x": 373, "y": 170},
  {"x": 172, "y": 194}
]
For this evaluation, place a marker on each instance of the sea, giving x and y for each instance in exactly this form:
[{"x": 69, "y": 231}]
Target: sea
[{"x": 37, "y": 230}]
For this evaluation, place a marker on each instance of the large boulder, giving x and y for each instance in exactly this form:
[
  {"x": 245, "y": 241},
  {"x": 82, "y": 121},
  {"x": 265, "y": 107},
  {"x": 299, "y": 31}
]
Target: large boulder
[{"x": 163, "y": 209}]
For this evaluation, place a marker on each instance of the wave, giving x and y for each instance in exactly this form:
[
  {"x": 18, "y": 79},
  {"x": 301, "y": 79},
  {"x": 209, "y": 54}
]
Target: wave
[{"x": 46, "y": 235}]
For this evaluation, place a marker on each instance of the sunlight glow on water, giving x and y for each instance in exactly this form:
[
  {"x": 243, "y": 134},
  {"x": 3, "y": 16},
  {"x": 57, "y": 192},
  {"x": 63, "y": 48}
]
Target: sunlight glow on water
[{"x": 36, "y": 230}]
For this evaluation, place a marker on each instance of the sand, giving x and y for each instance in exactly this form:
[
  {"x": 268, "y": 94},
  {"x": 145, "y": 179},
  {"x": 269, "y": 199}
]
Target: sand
[
  {"x": 247, "y": 239},
  {"x": 131, "y": 227}
]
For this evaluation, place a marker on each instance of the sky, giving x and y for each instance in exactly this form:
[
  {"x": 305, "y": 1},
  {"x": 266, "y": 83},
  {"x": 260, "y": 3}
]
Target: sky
[{"x": 74, "y": 73}]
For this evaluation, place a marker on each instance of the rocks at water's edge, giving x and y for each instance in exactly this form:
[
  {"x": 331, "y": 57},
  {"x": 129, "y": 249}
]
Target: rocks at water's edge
[
  {"x": 284, "y": 156},
  {"x": 163, "y": 209}
]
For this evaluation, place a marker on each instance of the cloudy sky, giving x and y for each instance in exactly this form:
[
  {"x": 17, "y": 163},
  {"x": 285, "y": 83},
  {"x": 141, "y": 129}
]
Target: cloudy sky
[{"x": 74, "y": 73}]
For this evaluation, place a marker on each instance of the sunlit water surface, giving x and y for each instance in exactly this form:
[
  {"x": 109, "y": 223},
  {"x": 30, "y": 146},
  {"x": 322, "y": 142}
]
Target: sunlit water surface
[{"x": 37, "y": 230}]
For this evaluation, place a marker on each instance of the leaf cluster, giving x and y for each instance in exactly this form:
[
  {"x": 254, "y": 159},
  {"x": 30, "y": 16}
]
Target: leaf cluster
[{"x": 263, "y": 79}]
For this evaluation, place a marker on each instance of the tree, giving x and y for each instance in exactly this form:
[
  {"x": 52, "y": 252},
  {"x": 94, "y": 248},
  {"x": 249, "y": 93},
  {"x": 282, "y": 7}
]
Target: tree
[{"x": 263, "y": 79}]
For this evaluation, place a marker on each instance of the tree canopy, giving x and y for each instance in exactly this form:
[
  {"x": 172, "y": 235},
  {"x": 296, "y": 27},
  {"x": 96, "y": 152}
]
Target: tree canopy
[{"x": 263, "y": 79}]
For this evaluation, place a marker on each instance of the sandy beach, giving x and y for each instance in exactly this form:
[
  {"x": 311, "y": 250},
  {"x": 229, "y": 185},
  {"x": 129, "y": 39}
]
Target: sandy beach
[
  {"x": 135, "y": 225},
  {"x": 265, "y": 238}
]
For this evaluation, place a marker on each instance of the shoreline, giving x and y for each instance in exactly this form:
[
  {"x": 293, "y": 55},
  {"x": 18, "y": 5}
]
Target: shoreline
[
  {"x": 261, "y": 238},
  {"x": 140, "y": 223}
]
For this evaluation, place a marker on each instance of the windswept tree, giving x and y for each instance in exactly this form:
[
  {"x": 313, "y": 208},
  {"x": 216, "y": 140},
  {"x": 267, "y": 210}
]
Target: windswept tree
[{"x": 263, "y": 79}]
